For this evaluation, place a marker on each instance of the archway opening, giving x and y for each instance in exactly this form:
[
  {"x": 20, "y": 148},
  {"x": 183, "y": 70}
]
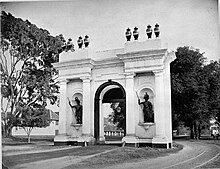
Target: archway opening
[{"x": 109, "y": 112}]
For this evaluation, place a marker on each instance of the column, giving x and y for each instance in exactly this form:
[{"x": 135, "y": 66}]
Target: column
[
  {"x": 63, "y": 108},
  {"x": 130, "y": 118},
  {"x": 167, "y": 86},
  {"x": 159, "y": 103},
  {"x": 130, "y": 112},
  {"x": 101, "y": 122},
  {"x": 86, "y": 117}
]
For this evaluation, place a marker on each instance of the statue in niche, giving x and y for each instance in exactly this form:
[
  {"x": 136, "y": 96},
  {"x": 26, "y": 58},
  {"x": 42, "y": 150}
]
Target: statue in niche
[
  {"x": 147, "y": 109},
  {"x": 77, "y": 110}
]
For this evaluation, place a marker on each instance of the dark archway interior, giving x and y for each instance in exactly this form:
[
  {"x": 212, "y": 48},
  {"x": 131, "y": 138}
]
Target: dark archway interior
[{"x": 113, "y": 95}]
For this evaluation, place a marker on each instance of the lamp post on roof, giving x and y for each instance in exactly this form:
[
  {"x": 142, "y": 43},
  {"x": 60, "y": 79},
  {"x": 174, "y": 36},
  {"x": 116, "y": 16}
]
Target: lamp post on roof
[
  {"x": 80, "y": 42},
  {"x": 86, "y": 41},
  {"x": 149, "y": 31},
  {"x": 157, "y": 31},
  {"x": 128, "y": 34},
  {"x": 135, "y": 33}
]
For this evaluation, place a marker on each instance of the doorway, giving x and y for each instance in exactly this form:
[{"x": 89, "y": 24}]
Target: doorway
[{"x": 110, "y": 112}]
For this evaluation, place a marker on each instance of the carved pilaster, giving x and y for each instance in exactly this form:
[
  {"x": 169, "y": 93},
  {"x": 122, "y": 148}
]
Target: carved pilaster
[
  {"x": 63, "y": 107},
  {"x": 130, "y": 113},
  {"x": 159, "y": 102},
  {"x": 86, "y": 128}
]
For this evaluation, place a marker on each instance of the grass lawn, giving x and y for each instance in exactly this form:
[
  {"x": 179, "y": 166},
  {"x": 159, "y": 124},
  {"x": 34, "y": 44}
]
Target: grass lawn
[
  {"x": 123, "y": 155},
  {"x": 116, "y": 156}
]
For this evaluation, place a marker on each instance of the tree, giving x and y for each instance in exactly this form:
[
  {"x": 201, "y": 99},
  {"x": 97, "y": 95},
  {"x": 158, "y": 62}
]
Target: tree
[
  {"x": 189, "y": 88},
  {"x": 30, "y": 118},
  {"x": 213, "y": 74},
  {"x": 118, "y": 115},
  {"x": 26, "y": 56}
]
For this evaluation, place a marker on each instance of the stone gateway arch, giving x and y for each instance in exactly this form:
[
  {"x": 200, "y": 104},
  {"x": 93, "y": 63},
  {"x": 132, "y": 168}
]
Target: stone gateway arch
[{"x": 121, "y": 75}]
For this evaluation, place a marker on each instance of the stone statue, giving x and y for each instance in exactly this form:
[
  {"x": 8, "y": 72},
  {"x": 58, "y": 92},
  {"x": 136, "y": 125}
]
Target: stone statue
[
  {"x": 128, "y": 34},
  {"x": 77, "y": 110},
  {"x": 147, "y": 109}
]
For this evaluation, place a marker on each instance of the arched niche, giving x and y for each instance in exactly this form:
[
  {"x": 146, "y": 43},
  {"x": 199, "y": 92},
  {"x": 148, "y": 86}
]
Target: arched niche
[
  {"x": 76, "y": 93},
  {"x": 141, "y": 92}
]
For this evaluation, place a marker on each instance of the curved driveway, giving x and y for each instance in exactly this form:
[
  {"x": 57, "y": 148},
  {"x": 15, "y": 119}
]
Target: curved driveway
[{"x": 194, "y": 155}]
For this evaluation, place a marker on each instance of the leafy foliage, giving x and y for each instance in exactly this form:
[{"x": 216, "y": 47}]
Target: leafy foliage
[
  {"x": 213, "y": 75},
  {"x": 27, "y": 54},
  {"x": 118, "y": 115},
  {"x": 194, "y": 89}
]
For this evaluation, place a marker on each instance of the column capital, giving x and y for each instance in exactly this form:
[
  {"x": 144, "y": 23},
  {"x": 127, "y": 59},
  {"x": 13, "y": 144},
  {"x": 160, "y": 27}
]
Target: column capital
[
  {"x": 86, "y": 78},
  {"x": 63, "y": 81},
  {"x": 158, "y": 72},
  {"x": 129, "y": 74}
]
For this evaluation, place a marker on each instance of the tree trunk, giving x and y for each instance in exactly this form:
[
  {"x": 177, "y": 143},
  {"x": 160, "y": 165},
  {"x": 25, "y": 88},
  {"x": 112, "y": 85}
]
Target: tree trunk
[
  {"x": 191, "y": 131},
  {"x": 7, "y": 131},
  {"x": 29, "y": 138},
  {"x": 199, "y": 131},
  {"x": 28, "y": 131}
]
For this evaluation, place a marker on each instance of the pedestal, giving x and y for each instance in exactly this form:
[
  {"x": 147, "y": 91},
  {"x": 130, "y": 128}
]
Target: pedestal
[
  {"x": 77, "y": 55},
  {"x": 64, "y": 140},
  {"x": 160, "y": 142},
  {"x": 150, "y": 44},
  {"x": 130, "y": 140},
  {"x": 85, "y": 140}
]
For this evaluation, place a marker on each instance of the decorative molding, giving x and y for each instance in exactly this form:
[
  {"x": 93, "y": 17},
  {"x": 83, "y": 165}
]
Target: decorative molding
[
  {"x": 129, "y": 75},
  {"x": 109, "y": 62},
  {"x": 74, "y": 64},
  {"x": 77, "y": 90},
  {"x": 146, "y": 86},
  {"x": 86, "y": 79},
  {"x": 159, "y": 72},
  {"x": 147, "y": 54},
  {"x": 72, "y": 76},
  {"x": 141, "y": 69},
  {"x": 63, "y": 81},
  {"x": 170, "y": 56},
  {"x": 146, "y": 125},
  {"x": 76, "y": 126}
]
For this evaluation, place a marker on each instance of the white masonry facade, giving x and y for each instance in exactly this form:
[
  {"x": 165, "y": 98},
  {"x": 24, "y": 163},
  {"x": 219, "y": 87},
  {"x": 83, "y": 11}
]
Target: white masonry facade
[{"x": 137, "y": 68}]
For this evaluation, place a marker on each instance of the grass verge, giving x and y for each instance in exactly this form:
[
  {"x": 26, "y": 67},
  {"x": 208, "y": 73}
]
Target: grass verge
[{"x": 124, "y": 155}]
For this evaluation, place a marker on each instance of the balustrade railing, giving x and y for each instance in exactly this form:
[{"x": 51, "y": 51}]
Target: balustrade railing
[{"x": 114, "y": 133}]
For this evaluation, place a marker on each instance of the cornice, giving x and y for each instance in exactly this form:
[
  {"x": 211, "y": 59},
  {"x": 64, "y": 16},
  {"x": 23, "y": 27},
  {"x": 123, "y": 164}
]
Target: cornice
[
  {"x": 74, "y": 64},
  {"x": 111, "y": 62},
  {"x": 140, "y": 55}
]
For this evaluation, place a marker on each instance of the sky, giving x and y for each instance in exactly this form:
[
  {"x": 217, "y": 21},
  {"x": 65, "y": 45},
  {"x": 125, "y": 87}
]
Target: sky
[{"x": 182, "y": 23}]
